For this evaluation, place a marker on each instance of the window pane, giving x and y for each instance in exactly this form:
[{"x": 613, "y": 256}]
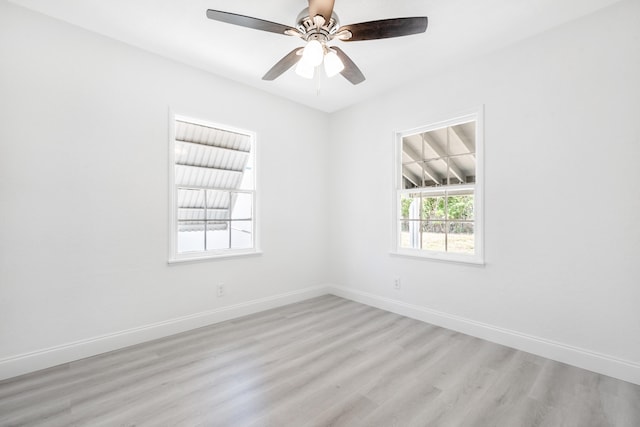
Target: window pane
[
  {"x": 460, "y": 206},
  {"x": 217, "y": 235},
  {"x": 217, "y": 204},
  {"x": 241, "y": 234},
  {"x": 462, "y": 169},
  {"x": 410, "y": 234},
  {"x": 190, "y": 204},
  {"x": 410, "y": 206},
  {"x": 434, "y": 144},
  {"x": 248, "y": 177},
  {"x": 242, "y": 206},
  {"x": 435, "y": 172},
  {"x": 462, "y": 138},
  {"x": 405, "y": 157},
  {"x": 461, "y": 238},
  {"x": 413, "y": 149},
  {"x": 411, "y": 175},
  {"x": 190, "y": 236},
  {"x": 433, "y": 235},
  {"x": 433, "y": 207},
  {"x": 190, "y": 220}
]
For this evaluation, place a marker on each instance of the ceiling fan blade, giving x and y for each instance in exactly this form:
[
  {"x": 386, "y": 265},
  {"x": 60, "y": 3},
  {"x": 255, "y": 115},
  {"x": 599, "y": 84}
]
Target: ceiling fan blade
[
  {"x": 247, "y": 21},
  {"x": 289, "y": 60},
  {"x": 321, "y": 7},
  {"x": 351, "y": 71},
  {"x": 386, "y": 28}
]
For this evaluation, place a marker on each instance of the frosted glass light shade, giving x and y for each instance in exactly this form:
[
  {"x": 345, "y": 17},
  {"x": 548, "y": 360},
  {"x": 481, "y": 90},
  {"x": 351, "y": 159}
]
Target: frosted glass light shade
[
  {"x": 313, "y": 53},
  {"x": 332, "y": 64},
  {"x": 304, "y": 69}
]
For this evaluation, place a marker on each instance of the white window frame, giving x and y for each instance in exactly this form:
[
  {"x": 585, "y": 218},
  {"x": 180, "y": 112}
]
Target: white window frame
[
  {"x": 174, "y": 256},
  {"x": 477, "y": 115}
]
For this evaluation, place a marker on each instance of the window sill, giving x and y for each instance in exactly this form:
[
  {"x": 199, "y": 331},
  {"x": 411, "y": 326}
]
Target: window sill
[
  {"x": 213, "y": 256},
  {"x": 437, "y": 256}
]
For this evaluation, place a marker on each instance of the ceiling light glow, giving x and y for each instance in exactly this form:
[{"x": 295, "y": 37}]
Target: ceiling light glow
[
  {"x": 332, "y": 64},
  {"x": 304, "y": 69},
  {"x": 313, "y": 53}
]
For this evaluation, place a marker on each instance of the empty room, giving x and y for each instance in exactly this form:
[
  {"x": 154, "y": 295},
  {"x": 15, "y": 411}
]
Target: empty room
[{"x": 320, "y": 213}]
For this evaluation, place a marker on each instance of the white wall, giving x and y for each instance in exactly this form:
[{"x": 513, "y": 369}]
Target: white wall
[
  {"x": 562, "y": 138},
  {"x": 84, "y": 192}
]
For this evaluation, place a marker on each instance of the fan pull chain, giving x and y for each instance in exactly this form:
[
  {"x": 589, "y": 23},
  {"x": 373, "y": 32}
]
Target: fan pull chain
[{"x": 318, "y": 77}]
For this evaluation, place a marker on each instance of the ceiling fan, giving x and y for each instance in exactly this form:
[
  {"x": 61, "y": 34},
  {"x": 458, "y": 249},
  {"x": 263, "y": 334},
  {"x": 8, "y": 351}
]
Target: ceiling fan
[{"x": 318, "y": 25}]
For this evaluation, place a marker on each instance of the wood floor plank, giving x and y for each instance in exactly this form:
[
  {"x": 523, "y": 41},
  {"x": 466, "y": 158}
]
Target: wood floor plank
[
  {"x": 348, "y": 412},
  {"x": 326, "y": 361}
]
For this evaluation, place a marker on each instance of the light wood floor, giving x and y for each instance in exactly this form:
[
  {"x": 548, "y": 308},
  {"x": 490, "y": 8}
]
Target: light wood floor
[{"x": 321, "y": 362}]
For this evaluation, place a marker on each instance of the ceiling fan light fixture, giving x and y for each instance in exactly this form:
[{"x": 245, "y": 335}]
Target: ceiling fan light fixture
[
  {"x": 304, "y": 69},
  {"x": 332, "y": 64},
  {"x": 313, "y": 53},
  {"x": 318, "y": 25}
]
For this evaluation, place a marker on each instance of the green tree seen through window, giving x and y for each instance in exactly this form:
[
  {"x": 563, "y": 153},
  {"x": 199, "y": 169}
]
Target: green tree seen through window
[{"x": 459, "y": 207}]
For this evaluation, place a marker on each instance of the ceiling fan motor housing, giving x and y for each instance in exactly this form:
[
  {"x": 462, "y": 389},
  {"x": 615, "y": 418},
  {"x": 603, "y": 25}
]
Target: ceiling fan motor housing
[{"x": 317, "y": 29}]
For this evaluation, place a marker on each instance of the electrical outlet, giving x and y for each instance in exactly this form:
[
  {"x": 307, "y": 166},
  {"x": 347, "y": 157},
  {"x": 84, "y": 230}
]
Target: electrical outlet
[
  {"x": 221, "y": 290},
  {"x": 396, "y": 283}
]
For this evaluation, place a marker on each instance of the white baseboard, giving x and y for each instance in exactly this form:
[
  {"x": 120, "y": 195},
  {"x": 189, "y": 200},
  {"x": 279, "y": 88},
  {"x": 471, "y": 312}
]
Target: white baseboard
[
  {"x": 582, "y": 358},
  {"x": 575, "y": 356},
  {"x": 52, "y": 356}
]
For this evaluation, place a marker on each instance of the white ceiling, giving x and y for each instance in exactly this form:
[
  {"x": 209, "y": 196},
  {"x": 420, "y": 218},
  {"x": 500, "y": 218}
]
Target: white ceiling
[{"x": 458, "y": 30}]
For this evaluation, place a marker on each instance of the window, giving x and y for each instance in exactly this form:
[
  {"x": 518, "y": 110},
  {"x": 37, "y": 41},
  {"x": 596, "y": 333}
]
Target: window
[
  {"x": 213, "y": 196},
  {"x": 438, "y": 212}
]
